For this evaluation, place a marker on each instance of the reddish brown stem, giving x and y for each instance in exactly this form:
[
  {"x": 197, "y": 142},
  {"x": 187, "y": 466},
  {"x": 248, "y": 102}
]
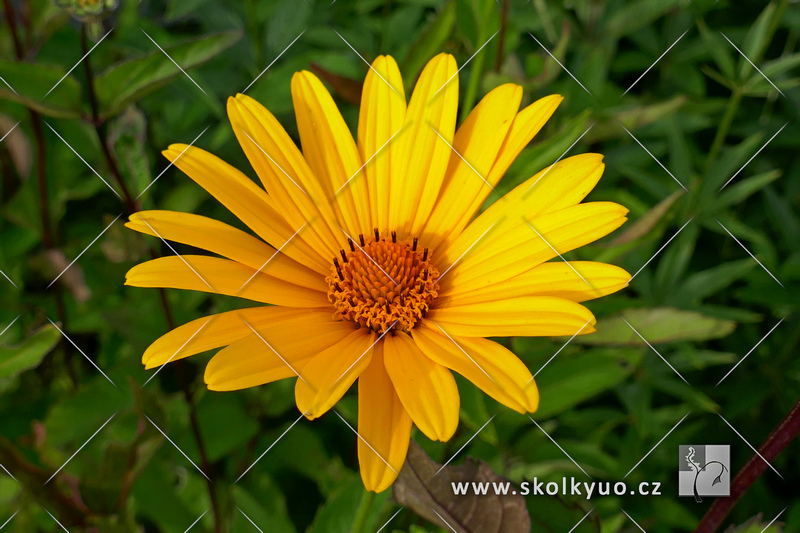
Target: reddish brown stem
[
  {"x": 781, "y": 436},
  {"x": 502, "y": 40}
]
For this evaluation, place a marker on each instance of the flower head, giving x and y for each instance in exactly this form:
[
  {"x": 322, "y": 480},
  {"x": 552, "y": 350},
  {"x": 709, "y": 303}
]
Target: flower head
[{"x": 373, "y": 261}]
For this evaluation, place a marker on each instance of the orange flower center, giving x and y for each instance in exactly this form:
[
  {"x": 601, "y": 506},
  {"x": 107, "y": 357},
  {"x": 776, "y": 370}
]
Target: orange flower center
[{"x": 383, "y": 283}]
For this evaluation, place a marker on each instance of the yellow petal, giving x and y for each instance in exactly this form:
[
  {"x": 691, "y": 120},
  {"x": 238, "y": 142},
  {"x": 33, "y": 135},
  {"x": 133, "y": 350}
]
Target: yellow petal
[
  {"x": 476, "y": 145},
  {"x": 526, "y": 316},
  {"x": 220, "y": 238},
  {"x": 331, "y": 151},
  {"x": 218, "y": 330},
  {"x": 221, "y": 276},
  {"x": 491, "y": 367},
  {"x": 285, "y": 174},
  {"x": 384, "y": 427},
  {"x": 556, "y": 279},
  {"x": 280, "y": 350},
  {"x": 326, "y": 378},
  {"x": 427, "y": 389},
  {"x": 246, "y": 200},
  {"x": 380, "y": 124},
  {"x": 526, "y": 125},
  {"x": 424, "y": 155},
  {"x": 561, "y": 185},
  {"x": 509, "y": 251}
]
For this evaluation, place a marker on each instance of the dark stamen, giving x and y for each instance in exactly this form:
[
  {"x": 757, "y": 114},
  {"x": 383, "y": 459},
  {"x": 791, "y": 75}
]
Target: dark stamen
[
  {"x": 338, "y": 287},
  {"x": 414, "y": 246},
  {"x": 352, "y": 244},
  {"x": 338, "y": 269},
  {"x": 377, "y": 234},
  {"x": 344, "y": 256},
  {"x": 394, "y": 236},
  {"x": 425, "y": 255},
  {"x": 361, "y": 239},
  {"x": 425, "y": 275}
]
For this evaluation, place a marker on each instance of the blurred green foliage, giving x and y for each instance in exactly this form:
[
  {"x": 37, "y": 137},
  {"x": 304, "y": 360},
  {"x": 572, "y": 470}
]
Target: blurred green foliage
[{"x": 702, "y": 110}]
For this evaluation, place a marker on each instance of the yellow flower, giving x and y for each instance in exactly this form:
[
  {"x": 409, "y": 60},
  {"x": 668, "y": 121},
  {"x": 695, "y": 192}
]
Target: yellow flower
[{"x": 377, "y": 269}]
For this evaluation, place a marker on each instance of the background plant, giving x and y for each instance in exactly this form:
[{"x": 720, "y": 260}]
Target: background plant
[{"x": 702, "y": 111}]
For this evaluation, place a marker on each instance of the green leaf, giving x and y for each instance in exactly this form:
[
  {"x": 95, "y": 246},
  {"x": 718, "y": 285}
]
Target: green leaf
[
  {"x": 339, "y": 512},
  {"x": 429, "y": 42},
  {"x": 566, "y": 382},
  {"x": 30, "y": 82},
  {"x": 635, "y": 15},
  {"x": 704, "y": 283},
  {"x": 738, "y": 192},
  {"x": 721, "y": 52},
  {"x": 658, "y": 325},
  {"x": 15, "y": 360},
  {"x": 757, "y": 40},
  {"x": 644, "y": 224},
  {"x": 130, "y": 80}
]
